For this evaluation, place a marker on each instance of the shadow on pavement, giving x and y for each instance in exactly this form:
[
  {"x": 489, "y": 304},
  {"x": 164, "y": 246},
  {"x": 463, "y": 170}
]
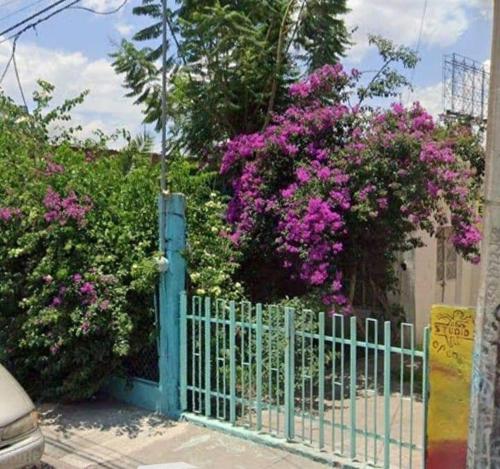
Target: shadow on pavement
[{"x": 103, "y": 414}]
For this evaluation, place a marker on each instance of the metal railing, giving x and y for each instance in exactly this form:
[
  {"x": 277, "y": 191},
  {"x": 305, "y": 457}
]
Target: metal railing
[{"x": 337, "y": 385}]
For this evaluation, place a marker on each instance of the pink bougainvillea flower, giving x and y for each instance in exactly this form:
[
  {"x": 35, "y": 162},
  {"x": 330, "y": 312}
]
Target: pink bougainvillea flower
[{"x": 326, "y": 181}]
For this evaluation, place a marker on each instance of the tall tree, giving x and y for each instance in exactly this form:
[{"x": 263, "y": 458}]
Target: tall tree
[{"x": 238, "y": 57}]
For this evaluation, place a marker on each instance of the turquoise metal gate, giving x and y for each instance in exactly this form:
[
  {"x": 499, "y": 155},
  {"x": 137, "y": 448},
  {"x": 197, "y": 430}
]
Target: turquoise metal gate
[{"x": 338, "y": 386}]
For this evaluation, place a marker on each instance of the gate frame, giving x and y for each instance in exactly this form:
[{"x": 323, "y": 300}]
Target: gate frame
[
  {"x": 163, "y": 396},
  {"x": 166, "y": 396}
]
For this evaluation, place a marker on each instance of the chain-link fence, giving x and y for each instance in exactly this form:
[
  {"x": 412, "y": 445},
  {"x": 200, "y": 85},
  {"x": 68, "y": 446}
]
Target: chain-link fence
[{"x": 144, "y": 362}]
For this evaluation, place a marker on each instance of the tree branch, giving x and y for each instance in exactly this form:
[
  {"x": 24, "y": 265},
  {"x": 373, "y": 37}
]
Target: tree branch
[
  {"x": 279, "y": 58},
  {"x": 386, "y": 64}
]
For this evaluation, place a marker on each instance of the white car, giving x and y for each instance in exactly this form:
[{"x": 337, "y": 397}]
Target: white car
[{"x": 21, "y": 441}]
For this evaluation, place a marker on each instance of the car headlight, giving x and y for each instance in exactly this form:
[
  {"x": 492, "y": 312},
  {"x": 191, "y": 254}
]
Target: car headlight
[{"x": 25, "y": 424}]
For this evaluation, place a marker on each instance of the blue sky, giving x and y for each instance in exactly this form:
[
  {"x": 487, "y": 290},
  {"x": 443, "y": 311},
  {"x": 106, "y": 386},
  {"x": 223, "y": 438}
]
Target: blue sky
[{"x": 72, "y": 50}]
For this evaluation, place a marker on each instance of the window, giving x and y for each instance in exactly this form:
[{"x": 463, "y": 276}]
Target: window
[{"x": 446, "y": 267}]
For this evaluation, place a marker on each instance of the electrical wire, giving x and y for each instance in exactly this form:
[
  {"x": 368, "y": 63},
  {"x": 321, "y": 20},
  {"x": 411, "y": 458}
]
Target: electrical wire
[
  {"x": 18, "y": 34},
  {"x": 110, "y": 12},
  {"x": 417, "y": 49},
  {"x": 16, "y": 71},
  {"x": 19, "y": 10},
  {"x": 41, "y": 20},
  {"x": 11, "y": 58},
  {"x": 9, "y": 2},
  {"x": 177, "y": 44},
  {"x": 27, "y": 20},
  {"x": 422, "y": 20}
]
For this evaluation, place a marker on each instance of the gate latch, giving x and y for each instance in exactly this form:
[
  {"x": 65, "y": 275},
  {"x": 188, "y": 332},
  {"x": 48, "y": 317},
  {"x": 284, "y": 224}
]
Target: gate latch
[{"x": 162, "y": 264}]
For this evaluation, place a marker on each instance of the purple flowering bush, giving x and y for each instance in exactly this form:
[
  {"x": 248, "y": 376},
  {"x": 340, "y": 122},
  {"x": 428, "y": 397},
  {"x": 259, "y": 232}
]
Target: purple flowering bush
[{"x": 333, "y": 190}]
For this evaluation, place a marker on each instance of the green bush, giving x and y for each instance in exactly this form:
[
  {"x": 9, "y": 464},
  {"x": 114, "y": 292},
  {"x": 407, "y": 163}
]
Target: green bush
[{"x": 78, "y": 249}]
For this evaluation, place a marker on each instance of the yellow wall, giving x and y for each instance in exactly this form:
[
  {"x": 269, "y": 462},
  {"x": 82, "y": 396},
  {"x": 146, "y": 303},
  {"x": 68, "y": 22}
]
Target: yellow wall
[{"x": 450, "y": 368}]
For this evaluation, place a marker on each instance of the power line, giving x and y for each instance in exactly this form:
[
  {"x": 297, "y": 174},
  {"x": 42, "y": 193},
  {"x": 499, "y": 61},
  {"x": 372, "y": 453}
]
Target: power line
[
  {"x": 6, "y": 69},
  {"x": 20, "y": 23},
  {"x": 422, "y": 20},
  {"x": 9, "y": 2},
  {"x": 110, "y": 12},
  {"x": 16, "y": 71},
  {"x": 19, "y": 10},
  {"x": 41, "y": 20},
  {"x": 12, "y": 60},
  {"x": 419, "y": 40},
  {"x": 18, "y": 34}
]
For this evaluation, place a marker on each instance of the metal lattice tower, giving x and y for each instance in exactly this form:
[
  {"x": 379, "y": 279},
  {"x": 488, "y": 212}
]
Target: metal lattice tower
[{"x": 465, "y": 87}]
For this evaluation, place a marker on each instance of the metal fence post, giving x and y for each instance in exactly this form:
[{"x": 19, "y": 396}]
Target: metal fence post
[
  {"x": 321, "y": 384},
  {"x": 208, "y": 357},
  {"x": 258, "y": 364},
  {"x": 290, "y": 374},
  {"x": 172, "y": 283},
  {"x": 184, "y": 352},
  {"x": 387, "y": 394},
  {"x": 232, "y": 362},
  {"x": 352, "y": 384}
]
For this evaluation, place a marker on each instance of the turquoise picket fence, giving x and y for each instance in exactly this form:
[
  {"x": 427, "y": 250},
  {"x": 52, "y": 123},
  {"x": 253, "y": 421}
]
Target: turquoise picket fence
[
  {"x": 338, "y": 389},
  {"x": 332, "y": 387}
]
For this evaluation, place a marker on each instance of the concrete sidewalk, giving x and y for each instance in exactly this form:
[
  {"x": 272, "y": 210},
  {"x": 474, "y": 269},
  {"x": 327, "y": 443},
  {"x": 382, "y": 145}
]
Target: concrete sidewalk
[{"x": 111, "y": 435}]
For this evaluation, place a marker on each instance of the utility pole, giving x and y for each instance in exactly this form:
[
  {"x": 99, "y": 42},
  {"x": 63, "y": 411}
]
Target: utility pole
[
  {"x": 163, "y": 183},
  {"x": 163, "y": 161},
  {"x": 484, "y": 430}
]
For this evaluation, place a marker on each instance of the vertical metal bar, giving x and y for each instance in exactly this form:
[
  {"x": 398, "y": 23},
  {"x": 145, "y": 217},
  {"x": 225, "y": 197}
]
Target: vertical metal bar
[
  {"x": 270, "y": 364},
  {"x": 224, "y": 360},
  {"x": 425, "y": 391},
  {"x": 289, "y": 374},
  {"x": 375, "y": 394},
  {"x": 412, "y": 368},
  {"x": 277, "y": 369},
  {"x": 303, "y": 383},
  {"x": 367, "y": 338},
  {"x": 193, "y": 355},
  {"x": 311, "y": 374},
  {"x": 321, "y": 393},
  {"x": 401, "y": 392},
  {"x": 242, "y": 358},
  {"x": 183, "y": 358},
  {"x": 232, "y": 362},
  {"x": 200, "y": 353},
  {"x": 334, "y": 375},
  {"x": 250, "y": 360},
  {"x": 208, "y": 389},
  {"x": 342, "y": 381},
  {"x": 353, "y": 380},
  {"x": 258, "y": 364},
  {"x": 387, "y": 394},
  {"x": 164, "y": 48},
  {"x": 217, "y": 361}
]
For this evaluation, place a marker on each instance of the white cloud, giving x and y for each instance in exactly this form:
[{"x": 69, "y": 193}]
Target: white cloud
[
  {"x": 430, "y": 97},
  {"x": 124, "y": 29},
  {"x": 484, "y": 6},
  {"x": 105, "y": 108},
  {"x": 399, "y": 20},
  {"x": 102, "y": 5}
]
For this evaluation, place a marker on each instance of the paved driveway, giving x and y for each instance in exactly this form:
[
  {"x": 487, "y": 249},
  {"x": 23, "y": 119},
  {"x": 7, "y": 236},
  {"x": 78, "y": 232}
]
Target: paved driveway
[{"x": 111, "y": 435}]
